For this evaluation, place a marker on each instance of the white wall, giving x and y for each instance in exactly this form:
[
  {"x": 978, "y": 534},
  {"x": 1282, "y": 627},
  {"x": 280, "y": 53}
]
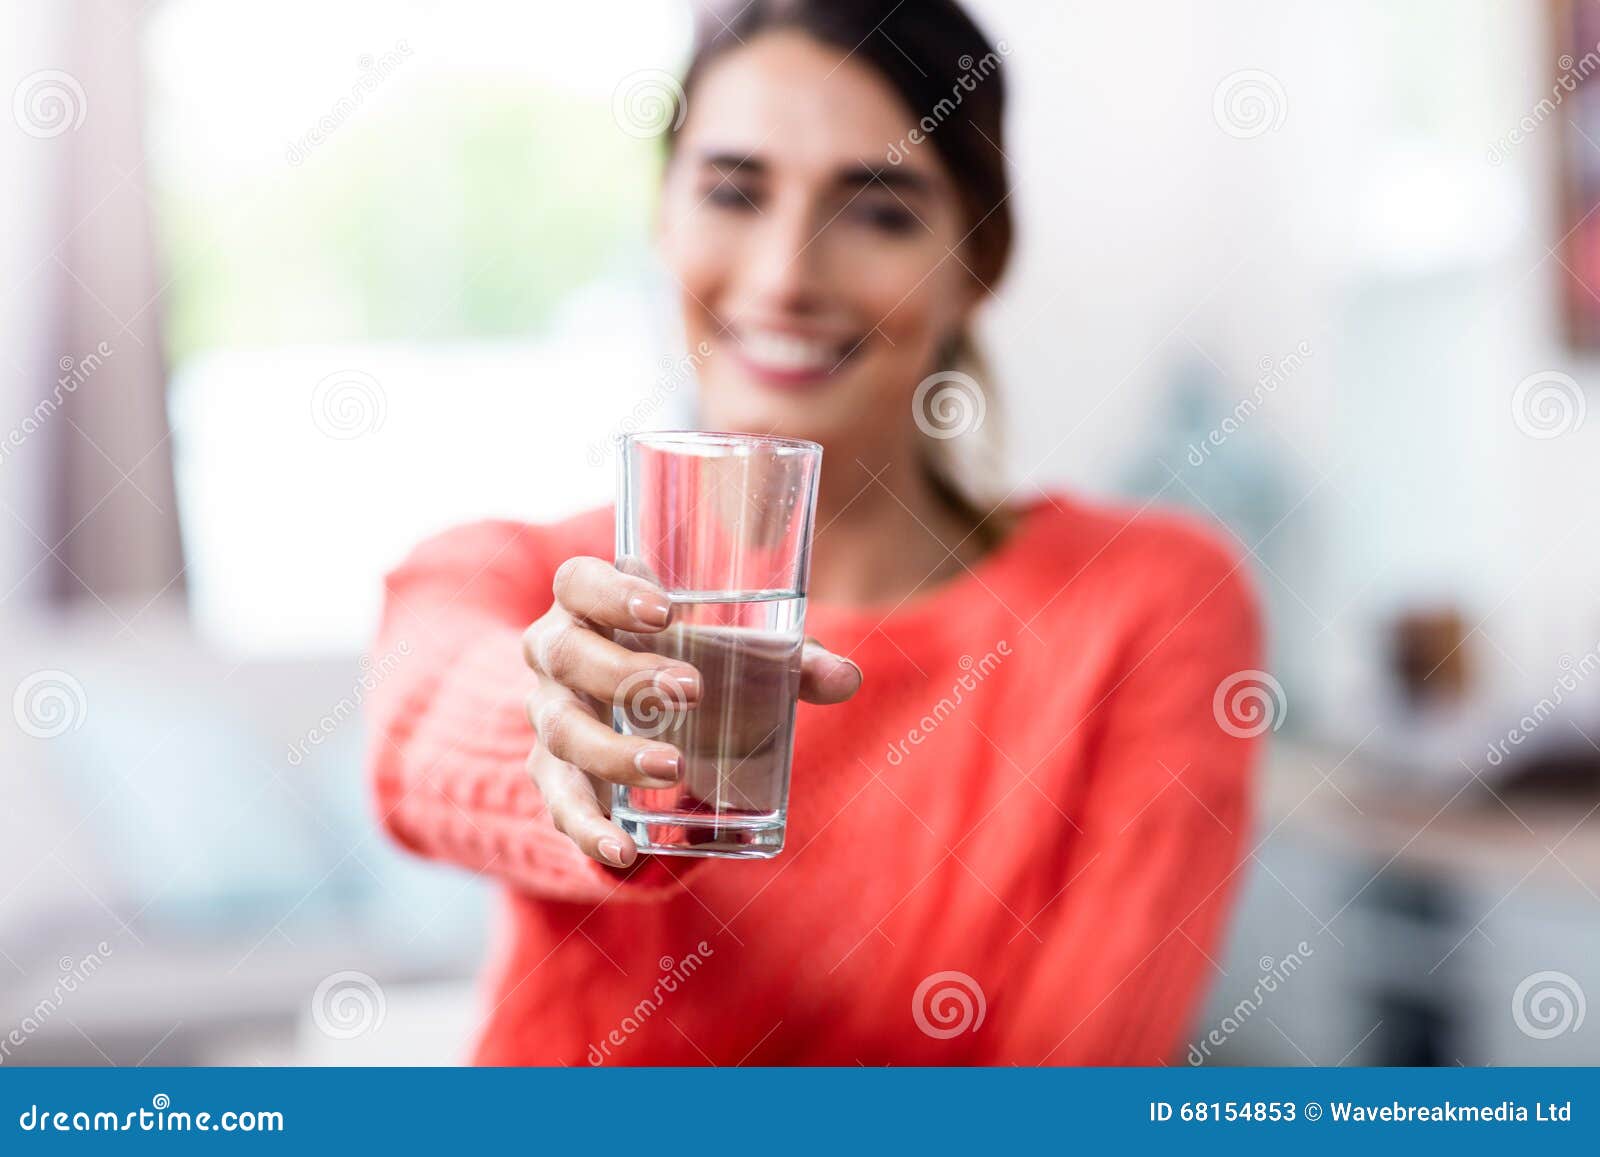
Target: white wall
[{"x": 1370, "y": 225}]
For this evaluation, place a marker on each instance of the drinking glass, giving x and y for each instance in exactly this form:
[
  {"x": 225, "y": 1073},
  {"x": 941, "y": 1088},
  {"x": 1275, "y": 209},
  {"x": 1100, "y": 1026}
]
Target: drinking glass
[{"x": 723, "y": 524}]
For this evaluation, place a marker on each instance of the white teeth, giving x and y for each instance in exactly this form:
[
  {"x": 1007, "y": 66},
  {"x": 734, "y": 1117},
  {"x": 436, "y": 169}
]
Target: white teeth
[{"x": 782, "y": 351}]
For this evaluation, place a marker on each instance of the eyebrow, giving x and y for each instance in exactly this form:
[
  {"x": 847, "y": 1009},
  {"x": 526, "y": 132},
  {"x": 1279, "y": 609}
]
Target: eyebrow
[
  {"x": 851, "y": 177},
  {"x": 906, "y": 180},
  {"x": 734, "y": 163}
]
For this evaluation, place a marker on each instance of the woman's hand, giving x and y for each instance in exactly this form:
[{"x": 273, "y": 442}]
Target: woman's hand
[{"x": 581, "y": 670}]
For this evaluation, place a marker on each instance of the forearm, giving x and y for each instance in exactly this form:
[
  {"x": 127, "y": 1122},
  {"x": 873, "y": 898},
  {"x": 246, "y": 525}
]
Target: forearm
[{"x": 449, "y": 742}]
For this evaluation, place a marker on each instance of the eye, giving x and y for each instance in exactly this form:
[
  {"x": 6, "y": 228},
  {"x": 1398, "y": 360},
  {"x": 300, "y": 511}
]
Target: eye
[
  {"x": 889, "y": 217},
  {"x": 726, "y": 194}
]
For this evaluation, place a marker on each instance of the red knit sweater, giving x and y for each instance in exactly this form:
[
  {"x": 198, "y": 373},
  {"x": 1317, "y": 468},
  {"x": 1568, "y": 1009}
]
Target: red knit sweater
[{"x": 1016, "y": 844}]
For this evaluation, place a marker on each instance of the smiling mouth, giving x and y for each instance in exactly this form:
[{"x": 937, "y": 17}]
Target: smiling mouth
[{"x": 787, "y": 358}]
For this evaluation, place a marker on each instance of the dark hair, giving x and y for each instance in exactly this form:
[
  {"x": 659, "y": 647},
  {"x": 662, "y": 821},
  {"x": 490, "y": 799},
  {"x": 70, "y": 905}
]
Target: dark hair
[
  {"x": 948, "y": 75},
  {"x": 938, "y": 61}
]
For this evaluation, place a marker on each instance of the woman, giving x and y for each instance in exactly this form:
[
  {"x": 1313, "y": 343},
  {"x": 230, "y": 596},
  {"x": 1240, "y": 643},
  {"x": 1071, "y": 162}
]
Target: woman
[{"x": 1015, "y": 821}]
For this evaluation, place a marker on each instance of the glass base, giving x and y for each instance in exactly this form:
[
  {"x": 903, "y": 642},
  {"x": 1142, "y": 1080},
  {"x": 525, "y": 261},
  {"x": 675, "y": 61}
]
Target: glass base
[{"x": 717, "y": 837}]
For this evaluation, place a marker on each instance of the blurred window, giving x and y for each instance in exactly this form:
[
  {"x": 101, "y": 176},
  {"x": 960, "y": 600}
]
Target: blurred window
[{"x": 401, "y": 242}]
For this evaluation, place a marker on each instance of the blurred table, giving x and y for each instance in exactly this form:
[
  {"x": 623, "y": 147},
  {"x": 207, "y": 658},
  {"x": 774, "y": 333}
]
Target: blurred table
[{"x": 1475, "y": 827}]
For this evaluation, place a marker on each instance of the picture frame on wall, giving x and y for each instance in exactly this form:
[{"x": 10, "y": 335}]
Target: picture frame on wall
[{"x": 1573, "y": 101}]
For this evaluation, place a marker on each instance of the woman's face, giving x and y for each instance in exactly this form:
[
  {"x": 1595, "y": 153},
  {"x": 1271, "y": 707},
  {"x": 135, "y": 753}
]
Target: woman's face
[{"x": 822, "y": 279}]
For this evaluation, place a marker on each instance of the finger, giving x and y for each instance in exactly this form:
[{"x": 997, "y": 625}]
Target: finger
[
  {"x": 574, "y": 656},
  {"x": 571, "y": 731},
  {"x": 575, "y": 812},
  {"x": 597, "y": 592},
  {"x": 826, "y": 677}
]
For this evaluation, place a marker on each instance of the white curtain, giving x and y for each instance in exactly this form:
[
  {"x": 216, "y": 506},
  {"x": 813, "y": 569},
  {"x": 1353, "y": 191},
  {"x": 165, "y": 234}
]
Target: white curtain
[{"x": 108, "y": 519}]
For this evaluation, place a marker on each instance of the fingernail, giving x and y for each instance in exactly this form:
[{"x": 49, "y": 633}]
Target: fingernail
[
  {"x": 684, "y": 681},
  {"x": 659, "y": 763},
  {"x": 841, "y": 669},
  {"x": 611, "y": 851},
  {"x": 651, "y": 609}
]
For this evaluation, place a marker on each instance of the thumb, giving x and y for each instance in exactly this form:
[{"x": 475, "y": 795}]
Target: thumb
[{"x": 826, "y": 677}]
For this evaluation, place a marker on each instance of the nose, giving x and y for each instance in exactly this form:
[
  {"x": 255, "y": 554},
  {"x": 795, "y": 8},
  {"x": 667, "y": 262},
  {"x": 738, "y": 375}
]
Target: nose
[{"x": 784, "y": 270}]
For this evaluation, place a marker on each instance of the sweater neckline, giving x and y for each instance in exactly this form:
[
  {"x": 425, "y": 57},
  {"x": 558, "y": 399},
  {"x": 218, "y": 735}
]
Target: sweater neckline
[{"x": 1033, "y": 515}]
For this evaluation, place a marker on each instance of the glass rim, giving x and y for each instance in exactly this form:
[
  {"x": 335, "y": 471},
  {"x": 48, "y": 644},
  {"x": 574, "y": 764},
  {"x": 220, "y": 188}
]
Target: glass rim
[{"x": 671, "y": 438}]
